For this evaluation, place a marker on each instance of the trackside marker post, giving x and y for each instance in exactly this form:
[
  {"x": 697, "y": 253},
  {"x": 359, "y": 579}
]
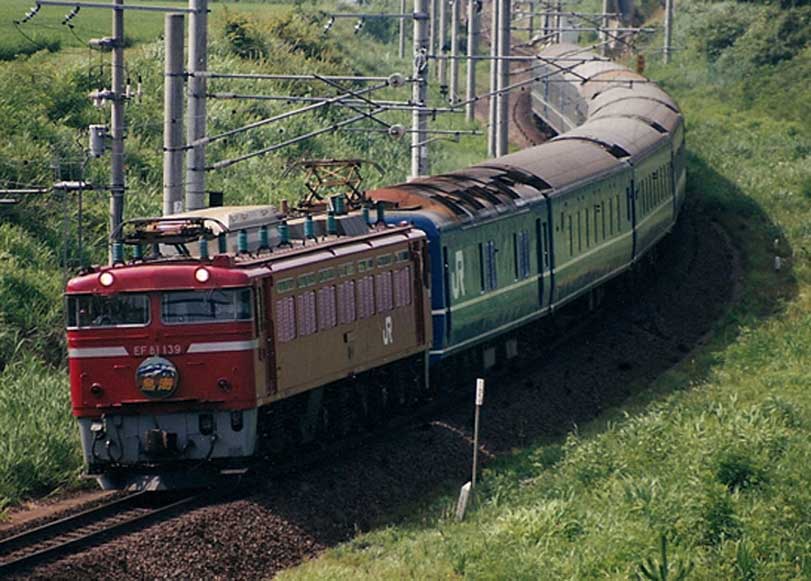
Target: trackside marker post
[
  {"x": 479, "y": 403},
  {"x": 469, "y": 487}
]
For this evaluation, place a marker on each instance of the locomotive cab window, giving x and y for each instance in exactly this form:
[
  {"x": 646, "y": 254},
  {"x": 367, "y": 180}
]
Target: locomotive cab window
[
  {"x": 121, "y": 310},
  {"x": 206, "y": 306}
]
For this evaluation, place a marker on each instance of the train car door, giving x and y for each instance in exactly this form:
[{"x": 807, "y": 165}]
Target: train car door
[
  {"x": 265, "y": 339},
  {"x": 543, "y": 257}
]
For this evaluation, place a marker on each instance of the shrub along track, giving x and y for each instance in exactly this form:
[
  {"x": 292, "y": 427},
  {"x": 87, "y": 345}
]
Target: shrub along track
[{"x": 640, "y": 332}]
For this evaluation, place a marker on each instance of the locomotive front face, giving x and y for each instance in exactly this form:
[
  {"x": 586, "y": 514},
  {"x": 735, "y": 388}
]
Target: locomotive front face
[{"x": 161, "y": 377}]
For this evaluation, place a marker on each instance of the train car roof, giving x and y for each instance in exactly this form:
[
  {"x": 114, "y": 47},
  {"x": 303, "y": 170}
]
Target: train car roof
[
  {"x": 648, "y": 91},
  {"x": 641, "y": 108},
  {"x": 623, "y": 136},
  {"x": 607, "y": 79},
  {"x": 560, "y": 164}
]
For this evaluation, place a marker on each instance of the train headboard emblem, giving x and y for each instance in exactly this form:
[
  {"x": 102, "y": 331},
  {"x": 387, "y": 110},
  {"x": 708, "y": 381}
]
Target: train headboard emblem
[{"x": 157, "y": 377}]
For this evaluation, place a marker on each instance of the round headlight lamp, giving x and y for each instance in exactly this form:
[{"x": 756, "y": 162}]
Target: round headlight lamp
[
  {"x": 202, "y": 275},
  {"x": 106, "y": 279}
]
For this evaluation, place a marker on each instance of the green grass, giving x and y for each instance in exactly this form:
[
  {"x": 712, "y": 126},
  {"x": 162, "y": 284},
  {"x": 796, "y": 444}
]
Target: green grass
[{"x": 715, "y": 455}]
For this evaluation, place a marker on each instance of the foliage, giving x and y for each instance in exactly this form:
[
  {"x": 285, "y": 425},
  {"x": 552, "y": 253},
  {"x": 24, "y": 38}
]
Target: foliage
[
  {"x": 38, "y": 450},
  {"x": 660, "y": 570}
]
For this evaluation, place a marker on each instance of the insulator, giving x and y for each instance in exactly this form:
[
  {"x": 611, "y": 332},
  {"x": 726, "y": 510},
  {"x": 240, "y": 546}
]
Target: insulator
[
  {"x": 309, "y": 227},
  {"x": 332, "y": 225},
  {"x": 203, "y": 249},
  {"x": 284, "y": 233},
  {"x": 263, "y": 237}
]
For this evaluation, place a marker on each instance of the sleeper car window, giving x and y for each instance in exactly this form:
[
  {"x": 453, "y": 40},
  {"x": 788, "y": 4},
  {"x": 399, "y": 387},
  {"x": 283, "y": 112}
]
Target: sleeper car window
[
  {"x": 206, "y": 306},
  {"x": 87, "y": 311}
]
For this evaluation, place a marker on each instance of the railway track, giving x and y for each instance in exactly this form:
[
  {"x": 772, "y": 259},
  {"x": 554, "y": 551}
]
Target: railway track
[{"x": 64, "y": 536}]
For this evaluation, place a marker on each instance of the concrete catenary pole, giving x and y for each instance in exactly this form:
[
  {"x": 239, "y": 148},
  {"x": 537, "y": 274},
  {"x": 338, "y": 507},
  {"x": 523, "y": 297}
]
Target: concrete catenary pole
[
  {"x": 419, "y": 117},
  {"x": 433, "y": 29},
  {"x": 472, "y": 50},
  {"x": 668, "y": 30},
  {"x": 531, "y": 24},
  {"x": 117, "y": 183},
  {"x": 173, "y": 134},
  {"x": 558, "y": 21},
  {"x": 494, "y": 33},
  {"x": 503, "y": 100},
  {"x": 403, "y": 8},
  {"x": 603, "y": 29},
  {"x": 442, "y": 40},
  {"x": 545, "y": 19},
  {"x": 196, "y": 113},
  {"x": 453, "y": 91}
]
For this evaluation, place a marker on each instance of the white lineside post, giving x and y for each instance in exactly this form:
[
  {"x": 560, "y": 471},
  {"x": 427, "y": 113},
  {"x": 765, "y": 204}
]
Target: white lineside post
[
  {"x": 503, "y": 97},
  {"x": 479, "y": 404},
  {"x": 472, "y": 50},
  {"x": 453, "y": 90},
  {"x": 196, "y": 111},
  {"x": 419, "y": 116},
  {"x": 494, "y": 34},
  {"x": 668, "y": 30},
  {"x": 403, "y": 8},
  {"x": 117, "y": 177},
  {"x": 173, "y": 129},
  {"x": 603, "y": 36}
]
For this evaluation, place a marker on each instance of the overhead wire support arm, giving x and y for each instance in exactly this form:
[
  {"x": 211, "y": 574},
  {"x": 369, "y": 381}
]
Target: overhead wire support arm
[
  {"x": 387, "y": 105},
  {"x": 335, "y": 126},
  {"x": 357, "y": 95},
  {"x": 281, "y": 117},
  {"x": 371, "y": 15},
  {"x": 390, "y": 79},
  {"x": 141, "y": 7}
]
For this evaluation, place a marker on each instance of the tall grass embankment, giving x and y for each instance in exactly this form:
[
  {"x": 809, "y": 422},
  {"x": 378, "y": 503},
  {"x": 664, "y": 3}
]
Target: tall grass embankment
[{"x": 714, "y": 458}]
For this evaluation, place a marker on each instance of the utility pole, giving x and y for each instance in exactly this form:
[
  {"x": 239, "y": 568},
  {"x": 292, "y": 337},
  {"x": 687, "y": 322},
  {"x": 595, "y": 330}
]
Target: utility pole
[
  {"x": 668, "y": 30},
  {"x": 433, "y": 31},
  {"x": 603, "y": 36},
  {"x": 545, "y": 19},
  {"x": 419, "y": 95},
  {"x": 503, "y": 97},
  {"x": 531, "y": 19},
  {"x": 196, "y": 114},
  {"x": 453, "y": 93},
  {"x": 403, "y": 9},
  {"x": 494, "y": 42},
  {"x": 173, "y": 134},
  {"x": 117, "y": 183},
  {"x": 472, "y": 50},
  {"x": 442, "y": 39}
]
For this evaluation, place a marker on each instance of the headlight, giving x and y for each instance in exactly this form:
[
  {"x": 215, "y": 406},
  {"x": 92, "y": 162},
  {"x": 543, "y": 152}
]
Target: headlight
[
  {"x": 202, "y": 275},
  {"x": 106, "y": 279}
]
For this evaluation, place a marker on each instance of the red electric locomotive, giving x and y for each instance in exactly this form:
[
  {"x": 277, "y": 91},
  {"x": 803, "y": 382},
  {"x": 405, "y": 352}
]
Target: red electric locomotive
[{"x": 183, "y": 361}]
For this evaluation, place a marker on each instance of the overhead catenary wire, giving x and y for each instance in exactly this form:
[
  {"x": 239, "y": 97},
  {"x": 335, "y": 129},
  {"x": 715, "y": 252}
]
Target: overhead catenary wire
[
  {"x": 280, "y": 117},
  {"x": 229, "y": 162}
]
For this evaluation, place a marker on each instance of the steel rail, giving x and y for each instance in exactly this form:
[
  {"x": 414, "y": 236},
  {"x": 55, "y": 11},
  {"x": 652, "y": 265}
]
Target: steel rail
[{"x": 31, "y": 547}]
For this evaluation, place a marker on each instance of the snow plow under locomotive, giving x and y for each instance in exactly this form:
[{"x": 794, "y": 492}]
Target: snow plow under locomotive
[{"x": 184, "y": 360}]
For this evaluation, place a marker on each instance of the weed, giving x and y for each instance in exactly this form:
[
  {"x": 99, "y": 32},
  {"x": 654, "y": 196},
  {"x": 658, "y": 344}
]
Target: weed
[{"x": 662, "y": 570}]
